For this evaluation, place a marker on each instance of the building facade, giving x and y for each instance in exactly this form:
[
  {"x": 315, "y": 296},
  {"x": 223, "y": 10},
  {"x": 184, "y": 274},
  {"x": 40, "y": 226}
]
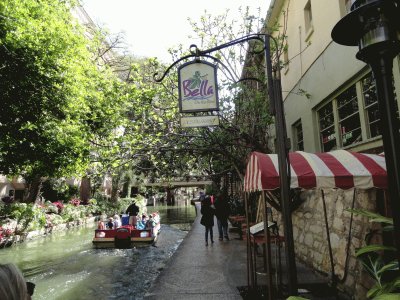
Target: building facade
[
  {"x": 329, "y": 103},
  {"x": 329, "y": 95}
]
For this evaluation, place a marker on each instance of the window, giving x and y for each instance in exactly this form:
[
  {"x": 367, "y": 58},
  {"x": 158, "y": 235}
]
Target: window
[
  {"x": 285, "y": 60},
  {"x": 327, "y": 127},
  {"x": 298, "y": 136},
  {"x": 348, "y": 5},
  {"x": 371, "y": 107},
  {"x": 340, "y": 122},
  {"x": 349, "y": 118},
  {"x": 308, "y": 18}
]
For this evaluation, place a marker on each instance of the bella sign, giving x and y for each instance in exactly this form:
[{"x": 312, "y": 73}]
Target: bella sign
[{"x": 198, "y": 87}]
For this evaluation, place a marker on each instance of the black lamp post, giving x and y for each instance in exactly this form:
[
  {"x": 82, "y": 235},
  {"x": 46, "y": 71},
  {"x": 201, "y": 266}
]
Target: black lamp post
[
  {"x": 277, "y": 110},
  {"x": 374, "y": 26}
]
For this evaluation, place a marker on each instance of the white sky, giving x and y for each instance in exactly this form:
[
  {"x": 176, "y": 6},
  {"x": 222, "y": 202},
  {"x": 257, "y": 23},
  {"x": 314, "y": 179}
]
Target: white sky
[{"x": 152, "y": 26}]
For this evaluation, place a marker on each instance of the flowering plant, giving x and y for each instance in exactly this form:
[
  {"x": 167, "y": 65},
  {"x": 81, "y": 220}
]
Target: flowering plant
[
  {"x": 59, "y": 206},
  {"x": 8, "y": 232},
  {"x": 75, "y": 202}
]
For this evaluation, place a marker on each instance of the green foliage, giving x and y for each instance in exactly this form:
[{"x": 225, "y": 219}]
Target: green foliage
[
  {"x": 71, "y": 213},
  {"x": 57, "y": 101},
  {"x": 27, "y": 216},
  {"x": 374, "y": 262},
  {"x": 65, "y": 112}
]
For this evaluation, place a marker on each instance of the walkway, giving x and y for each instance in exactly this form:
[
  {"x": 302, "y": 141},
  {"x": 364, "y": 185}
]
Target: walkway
[
  {"x": 196, "y": 271},
  {"x": 199, "y": 272}
]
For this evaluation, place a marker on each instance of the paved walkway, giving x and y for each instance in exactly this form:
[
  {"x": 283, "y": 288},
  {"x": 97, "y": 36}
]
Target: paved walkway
[{"x": 196, "y": 271}]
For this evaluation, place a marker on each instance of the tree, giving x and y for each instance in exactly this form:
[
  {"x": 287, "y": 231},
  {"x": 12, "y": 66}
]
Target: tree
[
  {"x": 53, "y": 94},
  {"x": 244, "y": 114},
  {"x": 160, "y": 149}
]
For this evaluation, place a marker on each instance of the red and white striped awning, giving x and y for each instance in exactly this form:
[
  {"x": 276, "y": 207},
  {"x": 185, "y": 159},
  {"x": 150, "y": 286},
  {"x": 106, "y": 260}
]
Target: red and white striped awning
[{"x": 337, "y": 169}]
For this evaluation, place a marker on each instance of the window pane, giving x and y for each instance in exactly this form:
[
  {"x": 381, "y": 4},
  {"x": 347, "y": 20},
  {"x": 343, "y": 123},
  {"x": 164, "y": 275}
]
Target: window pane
[
  {"x": 298, "y": 129},
  {"x": 371, "y": 105},
  {"x": 349, "y": 118},
  {"x": 326, "y": 125}
]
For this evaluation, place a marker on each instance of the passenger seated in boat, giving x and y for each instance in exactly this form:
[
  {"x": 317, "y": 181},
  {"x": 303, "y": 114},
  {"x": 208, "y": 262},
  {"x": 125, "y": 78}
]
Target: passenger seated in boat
[
  {"x": 150, "y": 222},
  {"x": 117, "y": 222},
  {"x": 156, "y": 217},
  {"x": 110, "y": 223},
  {"x": 100, "y": 225},
  {"x": 140, "y": 225},
  {"x": 144, "y": 218}
]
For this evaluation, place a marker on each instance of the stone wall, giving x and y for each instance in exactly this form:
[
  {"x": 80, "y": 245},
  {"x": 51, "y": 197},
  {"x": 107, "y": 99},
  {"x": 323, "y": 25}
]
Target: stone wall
[
  {"x": 310, "y": 235},
  {"x": 6, "y": 242}
]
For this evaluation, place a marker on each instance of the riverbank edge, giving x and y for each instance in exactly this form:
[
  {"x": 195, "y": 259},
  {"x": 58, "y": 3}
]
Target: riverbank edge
[{"x": 43, "y": 232}]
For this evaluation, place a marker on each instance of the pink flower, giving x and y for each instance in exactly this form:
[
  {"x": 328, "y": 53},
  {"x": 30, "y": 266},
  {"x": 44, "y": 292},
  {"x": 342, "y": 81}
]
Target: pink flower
[
  {"x": 59, "y": 205},
  {"x": 75, "y": 202},
  {"x": 8, "y": 232}
]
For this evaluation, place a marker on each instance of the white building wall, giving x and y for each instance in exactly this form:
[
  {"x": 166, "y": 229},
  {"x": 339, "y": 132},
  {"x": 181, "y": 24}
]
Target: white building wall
[{"x": 324, "y": 69}]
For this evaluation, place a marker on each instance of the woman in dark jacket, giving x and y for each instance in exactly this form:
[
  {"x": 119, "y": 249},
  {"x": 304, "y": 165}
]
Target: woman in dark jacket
[{"x": 207, "y": 218}]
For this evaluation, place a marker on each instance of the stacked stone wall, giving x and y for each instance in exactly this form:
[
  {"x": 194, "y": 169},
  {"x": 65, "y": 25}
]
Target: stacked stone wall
[{"x": 310, "y": 235}]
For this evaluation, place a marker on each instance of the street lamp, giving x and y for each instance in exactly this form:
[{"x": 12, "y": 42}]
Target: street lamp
[{"x": 374, "y": 26}]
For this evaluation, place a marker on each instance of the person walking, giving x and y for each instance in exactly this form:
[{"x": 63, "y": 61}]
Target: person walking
[
  {"x": 222, "y": 211},
  {"x": 207, "y": 219}
]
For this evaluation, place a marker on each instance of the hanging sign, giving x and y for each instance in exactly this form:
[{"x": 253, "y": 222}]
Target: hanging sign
[
  {"x": 199, "y": 121},
  {"x": 198, "y": 87}
]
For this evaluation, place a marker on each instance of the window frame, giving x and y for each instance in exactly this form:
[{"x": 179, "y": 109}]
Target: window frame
[
  {"x": 365, "y": 136},
  {"x": 308, "y": 20},
  {"x": 296, "y": 141}
]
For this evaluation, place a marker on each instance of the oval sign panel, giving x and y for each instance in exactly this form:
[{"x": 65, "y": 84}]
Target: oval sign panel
[{"x": 198, "y": 87}]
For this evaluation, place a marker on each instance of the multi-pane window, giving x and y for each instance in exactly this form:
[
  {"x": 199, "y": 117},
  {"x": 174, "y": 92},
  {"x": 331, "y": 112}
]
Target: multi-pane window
[
  {"x": 327, "y": 127},
  {"x": 371, "y": 105},
  {"x": 349, "y": 118},
  {"x": 340, "y": 122},
  {"x": 299, "y": 140}
]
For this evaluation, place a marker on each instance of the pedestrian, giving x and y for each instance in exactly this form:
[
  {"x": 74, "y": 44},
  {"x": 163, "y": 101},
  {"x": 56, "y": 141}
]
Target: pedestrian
[
  {"x": 133, "y": 211},
  {"x": 222, "y": 212},
  {"x": 207, "y": 218},
  {"x": 12, "y": 284}
]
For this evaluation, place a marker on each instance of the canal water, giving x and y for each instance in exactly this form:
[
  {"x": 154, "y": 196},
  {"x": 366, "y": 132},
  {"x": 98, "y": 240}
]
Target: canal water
[{"x": 64, "y": 265}]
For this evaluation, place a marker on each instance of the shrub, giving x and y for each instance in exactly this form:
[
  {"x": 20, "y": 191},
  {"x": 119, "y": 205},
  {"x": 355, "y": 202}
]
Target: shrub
[{"x": 372, "y": 257}]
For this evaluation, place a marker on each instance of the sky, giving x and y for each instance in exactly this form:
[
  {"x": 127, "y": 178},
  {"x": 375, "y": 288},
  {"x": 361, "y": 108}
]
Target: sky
[{"x": 151, "y": 27}]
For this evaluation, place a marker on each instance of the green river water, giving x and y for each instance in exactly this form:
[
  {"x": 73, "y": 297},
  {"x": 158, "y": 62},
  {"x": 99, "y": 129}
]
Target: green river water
[{"x": 64, "y": 265}]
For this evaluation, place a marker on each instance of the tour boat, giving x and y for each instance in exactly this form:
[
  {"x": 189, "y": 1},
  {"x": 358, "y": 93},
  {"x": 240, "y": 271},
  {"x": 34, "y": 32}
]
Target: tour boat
[{"x": 127, "y": 236}]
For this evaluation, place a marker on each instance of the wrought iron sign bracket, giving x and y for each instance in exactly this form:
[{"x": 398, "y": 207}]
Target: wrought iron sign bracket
[{"x": 276, "y": 109}]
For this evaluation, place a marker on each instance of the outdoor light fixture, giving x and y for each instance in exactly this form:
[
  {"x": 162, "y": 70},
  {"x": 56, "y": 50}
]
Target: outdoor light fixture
[{"x": 374, "y": 25}]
